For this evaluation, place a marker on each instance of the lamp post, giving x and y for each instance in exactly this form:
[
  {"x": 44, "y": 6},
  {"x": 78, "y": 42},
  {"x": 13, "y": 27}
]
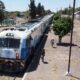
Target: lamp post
[{"x": 68, "y": 73}]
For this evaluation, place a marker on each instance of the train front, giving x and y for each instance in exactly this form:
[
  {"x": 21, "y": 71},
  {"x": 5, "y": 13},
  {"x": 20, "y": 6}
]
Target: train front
[{"x": 10, "y": 51}]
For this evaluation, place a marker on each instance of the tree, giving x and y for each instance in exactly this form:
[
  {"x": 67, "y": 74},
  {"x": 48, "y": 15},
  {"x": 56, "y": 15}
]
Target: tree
[
  {"x": 56, "y": 16},
  {"x": 32, "y": 9},
  {"x": 18, "y": 14},
  {"x": 2, "y": 9},
  {"x": 65, "y": 11},
  {"x": 39, "y": 9},
  {"x": 62, "y": 26},
  {"x": 26, "y": 14},
  {"x": 43, "y": 10}
]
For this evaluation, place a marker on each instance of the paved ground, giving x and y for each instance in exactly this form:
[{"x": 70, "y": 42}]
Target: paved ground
[{"x": 56, "y": 59}]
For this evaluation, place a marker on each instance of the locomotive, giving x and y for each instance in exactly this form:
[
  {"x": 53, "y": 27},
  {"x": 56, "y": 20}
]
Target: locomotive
[{"x": 17, "y": 44}]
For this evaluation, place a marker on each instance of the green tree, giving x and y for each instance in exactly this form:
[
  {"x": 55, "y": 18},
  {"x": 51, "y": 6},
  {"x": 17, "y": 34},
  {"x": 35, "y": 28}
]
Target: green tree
[
  {"x": 65, "y": 11},
  {"x": 2, "y": 9},
  {"x": 32, "y": 9},
  {"x": 26, "y": 15},
  {"x": 56, "y": 16},
  {"x": 43, "y": 10},
  {"x": 62, "y": 26},
  {"x": 39, "y": 9}
]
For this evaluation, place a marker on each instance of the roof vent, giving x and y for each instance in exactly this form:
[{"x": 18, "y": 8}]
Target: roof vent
[{"x": 10, "y": 34}]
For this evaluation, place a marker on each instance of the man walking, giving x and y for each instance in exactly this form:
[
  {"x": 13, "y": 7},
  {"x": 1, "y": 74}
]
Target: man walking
[
  {"x": 52, "y": 42},
  {"x": 42, "y": 55}
]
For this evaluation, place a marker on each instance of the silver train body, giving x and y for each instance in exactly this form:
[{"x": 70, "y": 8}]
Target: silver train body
[{"x": 17, "y": 44}]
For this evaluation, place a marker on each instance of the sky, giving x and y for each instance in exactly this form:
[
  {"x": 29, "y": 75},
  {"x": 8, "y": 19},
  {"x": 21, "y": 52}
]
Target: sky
[{"x": 53, "y": 5}]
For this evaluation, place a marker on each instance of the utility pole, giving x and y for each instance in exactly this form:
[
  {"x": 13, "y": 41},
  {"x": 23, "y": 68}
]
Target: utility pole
[{"x": 70, "y": 51}]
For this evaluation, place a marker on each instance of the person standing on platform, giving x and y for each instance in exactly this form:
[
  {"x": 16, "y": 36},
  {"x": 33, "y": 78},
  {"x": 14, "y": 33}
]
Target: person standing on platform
[{"x": 43, "y": 55}]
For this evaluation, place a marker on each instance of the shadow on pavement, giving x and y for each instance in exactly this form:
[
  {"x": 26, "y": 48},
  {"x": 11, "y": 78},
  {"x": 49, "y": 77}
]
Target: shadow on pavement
[
  {"x": 45, "y": 62},
  {"x": 65, "y": 44},
  {"x": 75, "y": 77},
  {"x": 36, "y": 59}
]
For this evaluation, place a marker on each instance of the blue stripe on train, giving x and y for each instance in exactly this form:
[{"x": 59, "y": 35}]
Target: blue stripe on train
[{"x": 24, "y": 53}]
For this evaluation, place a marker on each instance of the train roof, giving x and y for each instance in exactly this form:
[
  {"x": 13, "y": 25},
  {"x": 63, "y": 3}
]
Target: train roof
[
  {"x": 31, "y": 24},
  {"x": 26, "y": 26},
  {"x": 23, "y": 30},
  {"x": 14, "y": 34},
  {"x": 47, "y": 17}
]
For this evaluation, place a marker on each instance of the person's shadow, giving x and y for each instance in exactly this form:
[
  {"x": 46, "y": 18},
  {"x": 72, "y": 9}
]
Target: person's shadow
[
  {"x": 43, "y": 56},
  {"x": 45, "y": 62},
  {"x": 36, "y": 61}
]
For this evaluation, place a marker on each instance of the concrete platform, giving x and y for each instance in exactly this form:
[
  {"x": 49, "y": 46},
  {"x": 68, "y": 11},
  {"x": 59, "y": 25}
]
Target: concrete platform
[{"x": 55, "y": 62}]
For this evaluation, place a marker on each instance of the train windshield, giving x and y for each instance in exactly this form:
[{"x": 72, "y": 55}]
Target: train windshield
[{"x": 9, "y": 43}]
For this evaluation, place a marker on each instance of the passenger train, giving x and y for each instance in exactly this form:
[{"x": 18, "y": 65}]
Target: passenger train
[{"x": 17, "y": 44}]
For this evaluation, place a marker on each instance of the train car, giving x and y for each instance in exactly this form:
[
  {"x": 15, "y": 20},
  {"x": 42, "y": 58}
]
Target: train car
[
  {"x": 16, "y": 45},
  {"x": 39, "y": 29}
]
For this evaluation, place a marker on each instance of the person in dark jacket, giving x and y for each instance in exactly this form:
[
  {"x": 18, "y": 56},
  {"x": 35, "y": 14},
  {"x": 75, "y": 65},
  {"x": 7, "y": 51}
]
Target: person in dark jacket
[{"x": 43, "y": 55}]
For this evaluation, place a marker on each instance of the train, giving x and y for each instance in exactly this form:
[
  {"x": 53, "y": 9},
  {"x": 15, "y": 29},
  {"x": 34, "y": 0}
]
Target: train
[{"x": 17, "y": 44}]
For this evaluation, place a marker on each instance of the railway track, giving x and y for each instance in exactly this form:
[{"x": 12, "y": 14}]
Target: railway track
[
  {"x": 11, "y": 76},
  {"x": 4, "y": 75},
  {"x": 7, "y": 78}
]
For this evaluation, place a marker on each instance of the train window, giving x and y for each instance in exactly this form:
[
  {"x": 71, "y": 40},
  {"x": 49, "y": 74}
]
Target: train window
[{"x": 9, "y": 42}]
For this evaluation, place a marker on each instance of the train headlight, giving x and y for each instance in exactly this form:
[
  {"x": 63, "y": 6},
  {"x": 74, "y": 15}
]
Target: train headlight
[{"x": 17, "y": 55}]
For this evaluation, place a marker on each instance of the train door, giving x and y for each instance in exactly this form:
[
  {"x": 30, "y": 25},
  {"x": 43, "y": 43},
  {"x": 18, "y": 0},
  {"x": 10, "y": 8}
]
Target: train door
[
  {"x": 31, "y": 47},
  {"x": 25, "y": 48},
  {"x": 28, "y": 44}
]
